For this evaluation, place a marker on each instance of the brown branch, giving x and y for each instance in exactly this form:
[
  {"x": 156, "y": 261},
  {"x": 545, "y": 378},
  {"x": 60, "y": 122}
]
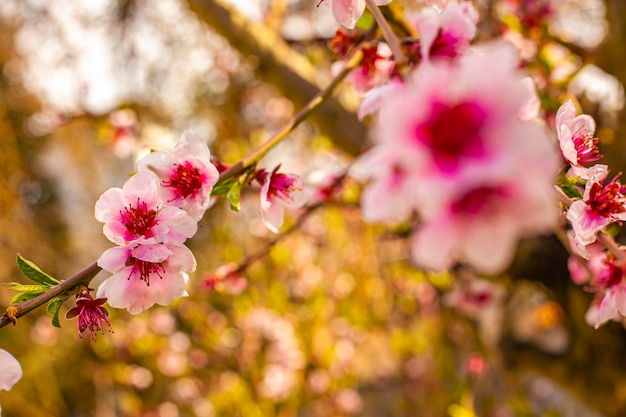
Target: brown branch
[
  {"x": 66, "y": 286},
  {"x": 280, "y": 65}
]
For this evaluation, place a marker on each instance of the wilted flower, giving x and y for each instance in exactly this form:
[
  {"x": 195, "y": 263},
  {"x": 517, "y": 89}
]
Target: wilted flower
[
  {"x": 187, "y": 174},
  {"x": 92, "y": 317}
]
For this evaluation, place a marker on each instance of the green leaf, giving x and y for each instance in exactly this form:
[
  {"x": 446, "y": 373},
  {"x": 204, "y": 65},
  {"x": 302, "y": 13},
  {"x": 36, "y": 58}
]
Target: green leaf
[
  {"x": 234, "y": 195},
  {"x": 33, "y": 272},
  {"x": 53, "y": 309},
  {"x": 231, "y": 190},
  {"x": 27, "y": 292}
]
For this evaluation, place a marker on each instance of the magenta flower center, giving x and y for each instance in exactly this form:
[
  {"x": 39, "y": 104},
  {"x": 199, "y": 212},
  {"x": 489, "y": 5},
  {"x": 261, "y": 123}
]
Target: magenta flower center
[
  {"x": 608, "y": 200},
  {"x": 586, "y": 147},
  {"x": 186, "y": 180},
  {"x": 92, "y": 317},
  {"x": 453, "y": 133},
  {"x": 476, "y": 201},
  {"x": 281, "y": 186},
  {"x": 144, "y": 269},
  {"x": 611, "y": 275},
  {"x": 139, "y": 220},
  {"x": 445, "y": 45}
]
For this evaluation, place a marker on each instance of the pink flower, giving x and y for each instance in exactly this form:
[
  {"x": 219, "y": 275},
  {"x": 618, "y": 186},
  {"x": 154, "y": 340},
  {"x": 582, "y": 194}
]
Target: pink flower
[
  {"x": 277, "y": 192},
  {"x": 92, "y": 317},
  {"x": 608, "y": 281},
  {"x": 375, "y": 68},
  {"x": 187, "y": 174},
  {"x": 576, "y": 139},
  {"x": 348, "y": 12},
  {"x": 482, "y": 225},
  {"x": 385, "y": 199},
  {"x": 446, "y": 33},
  {"x": 453, "y": 124},
  {"x": 10, "y": 371},
  {"x": 136, "y": 213},
  {"x": 144, "y": 275},
  {"x": 600, "y": 205}
]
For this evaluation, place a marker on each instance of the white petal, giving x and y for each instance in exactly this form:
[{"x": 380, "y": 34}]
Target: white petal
[{"x": 10, "y": 370}]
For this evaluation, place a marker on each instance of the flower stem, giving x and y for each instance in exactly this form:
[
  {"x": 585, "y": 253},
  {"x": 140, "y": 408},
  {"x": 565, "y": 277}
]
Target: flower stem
[
  {"x": 255, "y": 156},
  {"x": 390, "y": 36},
  {"x": 81, "y": 278}
]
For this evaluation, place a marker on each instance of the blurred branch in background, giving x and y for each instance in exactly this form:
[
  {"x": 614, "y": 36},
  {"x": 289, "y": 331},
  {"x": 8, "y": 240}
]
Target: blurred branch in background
[{"x": 281, "y": 66}]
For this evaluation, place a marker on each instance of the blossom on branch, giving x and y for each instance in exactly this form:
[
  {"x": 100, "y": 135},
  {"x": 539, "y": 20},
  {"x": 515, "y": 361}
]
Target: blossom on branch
[
  {"x": 576, "y": 139},
  {"x": 144, "y": 275},
  {"x": 187, "y": 175},
  {"x": 10, "y": 371},
  {"x": 278, "y": 191},
  {"x": 136, "y": 213},
  {"x": 600, "y": 206}
]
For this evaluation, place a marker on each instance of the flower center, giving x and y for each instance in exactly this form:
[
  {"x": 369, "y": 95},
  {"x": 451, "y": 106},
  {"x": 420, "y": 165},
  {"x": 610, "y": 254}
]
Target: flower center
[
  {"x": 445, "y": 45},
  {"x": 452, "y": 133},
  {"x": 145, "y": 269},
  {"x": 476, "y": 201},
  {"x": 139, "y": 220},
  {"x": 586, "y": 147},
  {"x": 611, "y": 275},
  {"x": 281, "y": 186},
  {"x": 607, "y": 200},
  {"x": 186, "y": 180}
]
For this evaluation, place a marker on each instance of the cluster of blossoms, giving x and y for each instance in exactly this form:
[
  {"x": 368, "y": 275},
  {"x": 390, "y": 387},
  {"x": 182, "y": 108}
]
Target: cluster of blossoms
[
  {"x": 475, "y": 164},
  {"x": 600, "y": 203},
  {"x": 149, "y": 219}
]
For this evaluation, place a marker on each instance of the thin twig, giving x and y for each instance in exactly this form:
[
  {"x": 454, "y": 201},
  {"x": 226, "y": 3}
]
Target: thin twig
[
  {"x": 390, "y": 36},
  {"x": 255, "y": 156},
  {"x": 66, "y": 286}
]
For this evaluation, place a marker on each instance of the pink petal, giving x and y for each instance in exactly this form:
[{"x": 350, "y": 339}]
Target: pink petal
[
  {"x": 154, "y": 253},
  {"x": 10, "y": 370},
  {"x": 114, "y": 259},
  {"x": 348, "y": 12}
]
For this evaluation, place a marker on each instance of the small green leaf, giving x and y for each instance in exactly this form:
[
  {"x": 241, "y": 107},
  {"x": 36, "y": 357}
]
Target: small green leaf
[
  {"x": 27, "y": 292},
  {"x": 53, "y": 309},
  {"x": 33, "y": 272},
  {"x": 234, "y": 195}
]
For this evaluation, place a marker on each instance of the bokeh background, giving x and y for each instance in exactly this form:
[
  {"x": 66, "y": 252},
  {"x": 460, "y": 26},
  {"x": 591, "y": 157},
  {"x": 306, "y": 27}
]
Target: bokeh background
[{"x": 333, "y": 321}]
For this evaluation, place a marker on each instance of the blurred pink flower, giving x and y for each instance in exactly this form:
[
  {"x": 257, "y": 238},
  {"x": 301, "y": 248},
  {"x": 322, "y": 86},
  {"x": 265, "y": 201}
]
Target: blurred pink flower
[
  {"x": 446, "y": 33},
  {"x": 576, "y": 139},
  {"x": 610, "y": 302},
  {"x": 600, "y": 205},
  {"x": 278, "y": 191},
  {"x": 144, "y": 275},
  {"x": 348, "y": 12},
  {"x": 187, "y": 174},
  {"x": 10, "y": 371},
  {"x": 136, "y": 213},
  {"x": 483, "y": 224},
  {"x": 453, "y": 148},
  {"x": 375, "y": 68}
]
